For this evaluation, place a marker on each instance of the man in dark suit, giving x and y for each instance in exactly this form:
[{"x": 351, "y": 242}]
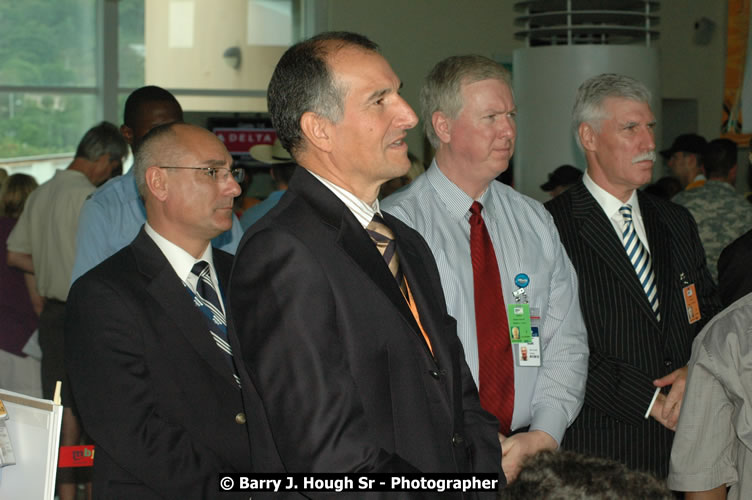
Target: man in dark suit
[
  {"x": 645, "y": 290},
  {"x": 358, "y": 371},
  {"x": 155, "y": 380},
  {"x": 734, "y": 277}
]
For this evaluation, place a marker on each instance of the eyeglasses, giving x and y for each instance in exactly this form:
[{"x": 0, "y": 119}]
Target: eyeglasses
[{"x": 218, "y": 174}]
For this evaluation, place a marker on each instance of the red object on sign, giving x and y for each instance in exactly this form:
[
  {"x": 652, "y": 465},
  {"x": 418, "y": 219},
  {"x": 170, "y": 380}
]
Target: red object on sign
[
  {"x": 76, "y": 456},
  {"x": 240, "y": 140}
]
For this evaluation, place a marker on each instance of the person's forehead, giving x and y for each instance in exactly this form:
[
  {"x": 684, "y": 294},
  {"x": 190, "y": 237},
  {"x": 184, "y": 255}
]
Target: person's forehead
[
  {"x": 488, "y": 87},
  {"x": 200, "y": 146},
  {"x": 622, "y": 107},
  {"x": 361, "y": 69},
  {"x": 154, "y": 113}
]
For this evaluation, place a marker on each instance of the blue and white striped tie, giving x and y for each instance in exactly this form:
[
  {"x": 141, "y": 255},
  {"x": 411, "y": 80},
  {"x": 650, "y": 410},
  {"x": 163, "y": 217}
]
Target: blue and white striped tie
[
  {"x": 640, "y": 258},
  {"x": 207, "y": 300}
]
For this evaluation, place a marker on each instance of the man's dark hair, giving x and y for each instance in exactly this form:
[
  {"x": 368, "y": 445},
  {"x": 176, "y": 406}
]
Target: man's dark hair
[
  {"x": 302, "y": 81},
  {"x": 565, "y": 475},
  {"x": 141, "y": 96},
  {"x": 102, "y": 139},
  {"x": 719, "y": 158}
]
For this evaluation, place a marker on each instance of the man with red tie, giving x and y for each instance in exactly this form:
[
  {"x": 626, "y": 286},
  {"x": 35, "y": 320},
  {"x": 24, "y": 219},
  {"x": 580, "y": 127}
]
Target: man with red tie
[{"x": 506, "y": 276}]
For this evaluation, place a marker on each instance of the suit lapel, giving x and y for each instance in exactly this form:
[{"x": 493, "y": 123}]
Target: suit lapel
[
  {"x": 352, "y": 238},
  {"x": 660, "y": 251},
  {"x": 598, "y": 233},
  {"x": 180, "y": 314}
]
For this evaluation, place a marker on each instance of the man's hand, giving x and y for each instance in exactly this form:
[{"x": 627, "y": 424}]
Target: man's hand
[
  {"x": 670, "y": 405},
  {"x": 516, "y": 448}
]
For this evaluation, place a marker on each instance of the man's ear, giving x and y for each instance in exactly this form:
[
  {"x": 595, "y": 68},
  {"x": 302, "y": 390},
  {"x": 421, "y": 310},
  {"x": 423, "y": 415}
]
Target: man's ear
[
  {"x": 156, "y": 182},
  {"x": 317, "y": 130},
  {"x": 587, "y": 136},
  {"x": 442, "y": 126},
  {"x": 127, "y": 134}
]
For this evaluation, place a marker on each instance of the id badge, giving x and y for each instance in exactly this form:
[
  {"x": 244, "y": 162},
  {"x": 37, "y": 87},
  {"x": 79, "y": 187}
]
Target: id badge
[
  {"x": 691, "y": 304},
  {"x": 529, "y": 353},
  {"x": 520, "y": 331}
]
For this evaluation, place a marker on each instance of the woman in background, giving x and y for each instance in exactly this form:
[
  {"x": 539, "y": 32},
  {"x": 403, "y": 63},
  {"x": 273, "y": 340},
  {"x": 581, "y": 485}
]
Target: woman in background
[{"x": 19, "y": 302}]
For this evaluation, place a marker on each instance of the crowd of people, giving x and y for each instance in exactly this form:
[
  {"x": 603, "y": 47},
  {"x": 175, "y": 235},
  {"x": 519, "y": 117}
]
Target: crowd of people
[{"x": 443, "y": 323}]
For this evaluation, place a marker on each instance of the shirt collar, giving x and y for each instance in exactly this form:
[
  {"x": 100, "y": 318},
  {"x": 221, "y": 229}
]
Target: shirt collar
[
  {"x": 359, "y": 208},
  {"x": 456, "y": 201},
  {"x": 609, "y": 203},
  {"x": 180, "y": 260}
]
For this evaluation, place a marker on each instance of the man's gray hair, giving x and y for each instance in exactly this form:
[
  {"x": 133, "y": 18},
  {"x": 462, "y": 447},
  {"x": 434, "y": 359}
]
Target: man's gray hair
[
  {"x": 442, "y": 90},
  {"x": 588, "y": 105},
  {"x": 102, "y": 139}
]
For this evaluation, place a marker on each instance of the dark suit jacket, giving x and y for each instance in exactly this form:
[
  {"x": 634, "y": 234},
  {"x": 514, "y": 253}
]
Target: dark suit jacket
[
  {"x": 629, "y": 347},
  {"x": 734, "y": 276},
  {"x": 347, "y": 381},
  {"x": 153, "y": 390}
]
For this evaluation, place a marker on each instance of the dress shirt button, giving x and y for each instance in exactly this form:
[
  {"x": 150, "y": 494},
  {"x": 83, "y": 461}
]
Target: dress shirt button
[
  {"x": 458, "y": 440},
  {"x": 435, "y": 374},
  {"x": 240, "y": 418},
  {"x": 667, "y": 363}
]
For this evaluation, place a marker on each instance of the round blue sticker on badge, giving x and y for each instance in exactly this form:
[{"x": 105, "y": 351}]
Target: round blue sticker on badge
[{"x": 522, "y": 280}]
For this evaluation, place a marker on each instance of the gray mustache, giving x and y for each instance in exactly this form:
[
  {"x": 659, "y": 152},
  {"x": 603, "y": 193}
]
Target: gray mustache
[{"x": 650, "y": 155}]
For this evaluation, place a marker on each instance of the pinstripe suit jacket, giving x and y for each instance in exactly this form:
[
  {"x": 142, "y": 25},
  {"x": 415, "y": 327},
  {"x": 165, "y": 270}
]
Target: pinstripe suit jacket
[{"x": 629, "y": 347}]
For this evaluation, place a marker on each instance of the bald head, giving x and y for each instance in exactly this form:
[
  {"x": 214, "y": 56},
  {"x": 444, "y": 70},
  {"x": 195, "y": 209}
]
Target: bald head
[{"x": 183, "y": 174}]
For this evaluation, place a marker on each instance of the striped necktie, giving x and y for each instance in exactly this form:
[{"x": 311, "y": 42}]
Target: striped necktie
[
  {"x": 383, "y": 238},
  {"x": 207, "y": 300},
  {"x": 640, "y": 258}
]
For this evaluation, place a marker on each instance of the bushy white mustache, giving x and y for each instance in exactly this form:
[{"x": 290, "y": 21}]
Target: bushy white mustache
[{"x": 650, "y": 155}]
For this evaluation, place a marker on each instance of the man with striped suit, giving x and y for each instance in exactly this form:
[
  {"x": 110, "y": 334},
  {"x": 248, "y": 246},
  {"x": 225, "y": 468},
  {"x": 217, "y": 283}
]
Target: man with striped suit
[
  {"x": 645, "y": 289},
  {"x": 534, "y": 386}
]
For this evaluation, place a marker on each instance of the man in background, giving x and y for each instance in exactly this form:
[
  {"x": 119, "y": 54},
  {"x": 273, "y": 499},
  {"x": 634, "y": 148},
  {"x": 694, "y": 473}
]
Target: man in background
[
  {"x": 645, "y": 289},
  {"x": 114, "y": 214},
  {"x": 685, "y": 160},
  {"x": 281, "y": 168},
  {"x": 561, "y": 179},
  {"x": 722, "y": 214},
  {"x": 43, "y": 242},
  {"x": 497, "y": 252}
]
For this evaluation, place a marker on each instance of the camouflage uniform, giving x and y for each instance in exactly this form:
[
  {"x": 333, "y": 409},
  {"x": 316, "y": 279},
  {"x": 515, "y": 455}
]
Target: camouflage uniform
[{"x": 722, "y": 216}]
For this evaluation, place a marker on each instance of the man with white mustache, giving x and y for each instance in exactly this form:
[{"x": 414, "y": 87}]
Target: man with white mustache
[
  {"x": 515, "y": 299},
  {"x": 645, "y": 289}
]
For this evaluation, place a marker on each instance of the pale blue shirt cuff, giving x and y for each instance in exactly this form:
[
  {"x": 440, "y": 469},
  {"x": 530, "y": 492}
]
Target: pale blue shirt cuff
[{"x": 551, "y": 421}]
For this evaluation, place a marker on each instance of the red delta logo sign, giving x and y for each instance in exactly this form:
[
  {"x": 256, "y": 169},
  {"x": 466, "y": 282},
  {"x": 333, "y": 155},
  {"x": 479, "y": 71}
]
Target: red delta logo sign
[{"x": 240, "y": 140}]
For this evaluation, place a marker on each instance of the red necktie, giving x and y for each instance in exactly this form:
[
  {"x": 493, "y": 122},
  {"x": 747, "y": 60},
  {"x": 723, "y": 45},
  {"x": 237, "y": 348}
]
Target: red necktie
[{"x": 496, "y": 372}]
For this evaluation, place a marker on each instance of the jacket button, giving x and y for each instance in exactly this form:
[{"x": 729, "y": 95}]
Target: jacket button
[
  {"x": 457, "y": 439},
  {"x": 434, "y": 374},
  {"x": 667, "y": 362},
  {"x": 240, "y": 418}
]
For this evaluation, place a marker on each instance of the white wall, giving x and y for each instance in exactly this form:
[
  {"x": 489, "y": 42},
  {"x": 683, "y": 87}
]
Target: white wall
[{"x": 416, "y": 34}]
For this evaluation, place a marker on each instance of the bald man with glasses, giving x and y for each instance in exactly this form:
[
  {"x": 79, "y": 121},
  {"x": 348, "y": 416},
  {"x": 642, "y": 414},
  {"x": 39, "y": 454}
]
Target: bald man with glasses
[{"x": 152, "y": 359}]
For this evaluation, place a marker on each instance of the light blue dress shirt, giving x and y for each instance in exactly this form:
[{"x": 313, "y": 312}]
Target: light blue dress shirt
[
  {"x": 112, "y": 217},
  {"x": 525, "y": 239},
  {"x": 254, "y": 213}
]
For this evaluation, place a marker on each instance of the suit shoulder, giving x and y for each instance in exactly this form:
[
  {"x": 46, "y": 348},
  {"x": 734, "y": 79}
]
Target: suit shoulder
[
  {"x": 113, "y": 271},
  {"x": 559, "y": 205},
  {"x": 666, "y": 209}
]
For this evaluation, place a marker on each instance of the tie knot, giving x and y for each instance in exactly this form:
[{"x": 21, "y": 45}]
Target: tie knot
[
  {"x": 200, "y": 267},
  {"x": 626, "y": 212},
  {"x": 476, "y": 208},
  {"x": 379, "y": 231}
]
